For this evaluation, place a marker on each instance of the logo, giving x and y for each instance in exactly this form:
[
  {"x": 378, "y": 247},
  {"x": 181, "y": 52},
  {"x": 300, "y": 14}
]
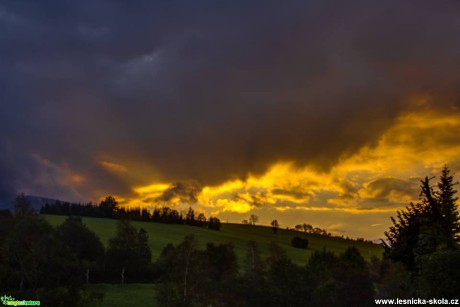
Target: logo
[{"x": 8, "y": 300}]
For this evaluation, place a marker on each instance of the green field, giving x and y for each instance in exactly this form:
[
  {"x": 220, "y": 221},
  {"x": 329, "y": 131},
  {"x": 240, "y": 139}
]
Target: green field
[
  {"x": 133, "y": 295},
  {"x": 140, "y": 295},
  {"x": 162, "y": 234}
]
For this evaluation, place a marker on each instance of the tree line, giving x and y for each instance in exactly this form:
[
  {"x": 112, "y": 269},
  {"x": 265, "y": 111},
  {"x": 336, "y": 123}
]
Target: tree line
[
  {"x": 54, "y": 265},
  {"x": 110, "y": 208},
  {"x": 211, "y": 276},
  {"x": 307, "y": 228}
]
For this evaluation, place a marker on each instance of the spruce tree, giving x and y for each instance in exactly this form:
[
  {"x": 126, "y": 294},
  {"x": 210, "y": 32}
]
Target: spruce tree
[
  {"x": 449, "y": 209},
  {"x": 427, "y": 226}
]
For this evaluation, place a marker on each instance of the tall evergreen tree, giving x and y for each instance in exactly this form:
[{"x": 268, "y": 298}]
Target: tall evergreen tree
[
  {"x": 427, "y": 226},
  {"x": 449, "y": 209}
]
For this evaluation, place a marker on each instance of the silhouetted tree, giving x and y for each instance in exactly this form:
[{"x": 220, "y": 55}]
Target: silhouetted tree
[
  {"x": 253, "y": 263},
  {"x": 253, "y": 219},
  {"x": 145, "y": 215},
  {"x": 319, "y": 269},
  {"x": 395, "y": 280},
  {"x": 190, "y": 217},
  {"x": 156, "y": 216},
  {"x": 27, "y": 251},
  {"x": 252, "y": 287},
  {"x": 82, "y": 242},
  {"x": 22, "y": 206},
  {"x": 353, "y": 280},
  {"x": 307, "y": 227},
  {"x": 285, "y": 280},
  {"x": 214, "y": 223},
  {"x": 109, "y": 206},
  {"x": 193, "y": 277},
  {"x": 220, "y": 271},
  {"x": 439, "y": 275},
  {"x": 221, "y": 260},
  {"x": 128, "y": 251},
  {"x": 38, "y": 263},
  {"x": 449, "y": 209},
  {"x": 165, "y": 262},
  {"x": 426, "y": 226},
  {"x": 275, "y": 226},
  {"x": 201, "y": 220},
  {"x": 183, "y": 277}
]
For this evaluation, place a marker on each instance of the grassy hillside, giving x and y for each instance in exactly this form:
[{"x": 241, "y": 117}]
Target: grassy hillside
[
  {"x": 133, "y": 295},
  {"x": 162, "y": 234}
]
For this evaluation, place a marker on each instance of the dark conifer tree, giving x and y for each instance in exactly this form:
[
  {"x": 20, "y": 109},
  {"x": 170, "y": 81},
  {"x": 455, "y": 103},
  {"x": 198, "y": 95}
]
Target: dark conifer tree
[
  {"x": 449, "y": 209},
  {"x": 22, "y": 206},
  {"x": 427, "y": 226},
  {"x": 190, "y": 217}
]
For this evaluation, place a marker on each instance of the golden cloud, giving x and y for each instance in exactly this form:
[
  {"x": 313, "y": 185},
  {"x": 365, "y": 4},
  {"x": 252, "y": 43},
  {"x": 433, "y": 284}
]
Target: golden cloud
[{"x": 376, "y": 180}]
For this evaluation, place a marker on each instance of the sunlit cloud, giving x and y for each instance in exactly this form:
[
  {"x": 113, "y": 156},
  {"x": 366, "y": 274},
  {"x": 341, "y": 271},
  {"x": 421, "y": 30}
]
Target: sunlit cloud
[
  {"x": 329, "y": 119},
  {"x": 113, "y": 167},
  {"x": 377, "y": 179}
]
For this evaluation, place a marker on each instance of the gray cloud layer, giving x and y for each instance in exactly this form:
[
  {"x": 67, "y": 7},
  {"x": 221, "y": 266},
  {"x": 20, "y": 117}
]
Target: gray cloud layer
[{"x": 208, "y": 91}]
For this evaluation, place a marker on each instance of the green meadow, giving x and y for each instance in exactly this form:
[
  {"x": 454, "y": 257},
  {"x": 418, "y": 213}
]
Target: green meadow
[
  {"x": 133, "y": 295},
  {"x": 162, "y": 234},
  {"x": 140, "y": 295}
]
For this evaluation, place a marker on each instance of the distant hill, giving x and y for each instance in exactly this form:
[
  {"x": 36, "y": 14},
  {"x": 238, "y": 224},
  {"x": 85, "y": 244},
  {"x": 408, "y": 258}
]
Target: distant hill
[
  {"x": 38, "y": 201},
  {"x": 7, "y": 201}
]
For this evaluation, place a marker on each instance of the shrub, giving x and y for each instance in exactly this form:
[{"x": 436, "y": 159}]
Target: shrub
[{"x": 298, "y": 242}]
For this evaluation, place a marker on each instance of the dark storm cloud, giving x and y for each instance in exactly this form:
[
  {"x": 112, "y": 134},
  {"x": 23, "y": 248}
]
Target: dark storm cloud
[
  {"x": 209, "y": 91},
  {"x": 257, "y": 200},
  {"x": 388, "y": 192},
  {"x": 184, "y": 191},
  {"x": 293, "y": 193}
]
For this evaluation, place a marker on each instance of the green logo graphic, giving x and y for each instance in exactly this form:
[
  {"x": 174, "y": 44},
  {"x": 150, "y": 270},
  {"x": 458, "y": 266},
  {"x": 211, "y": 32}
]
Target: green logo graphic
[
  {"x": 5, "y": 299},
  {"x": 10, "y": 301}
]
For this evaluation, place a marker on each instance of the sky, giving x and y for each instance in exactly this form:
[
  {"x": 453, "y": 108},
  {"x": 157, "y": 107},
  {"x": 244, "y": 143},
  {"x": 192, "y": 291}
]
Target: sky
[{"x": 320, "y": 112}]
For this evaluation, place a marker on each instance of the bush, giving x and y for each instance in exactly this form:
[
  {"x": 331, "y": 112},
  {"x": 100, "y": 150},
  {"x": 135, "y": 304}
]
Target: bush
[
  {"x": 439, "y": 275},
  {"x": 299, "y": 242},
  {"x": 214, "y": 223}
]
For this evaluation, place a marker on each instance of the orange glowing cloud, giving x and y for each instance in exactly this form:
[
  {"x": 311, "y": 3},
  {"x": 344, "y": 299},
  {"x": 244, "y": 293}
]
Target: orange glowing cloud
[
  {"x": 113, "y": 167},
  {"x": 372, "y": 183}
]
